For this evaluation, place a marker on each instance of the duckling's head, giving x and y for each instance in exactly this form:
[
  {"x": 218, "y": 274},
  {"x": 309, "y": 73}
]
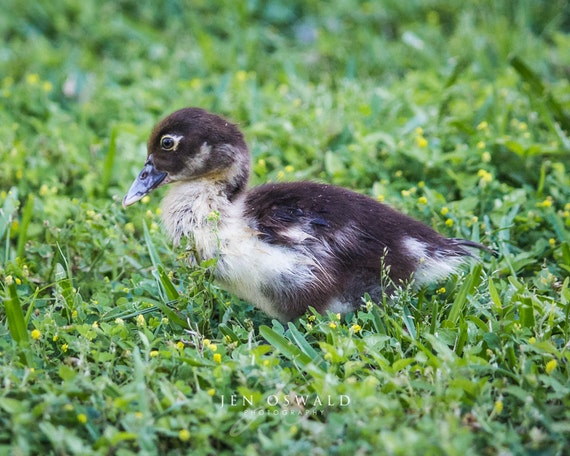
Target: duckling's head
[{"x": 192, "y": 144}]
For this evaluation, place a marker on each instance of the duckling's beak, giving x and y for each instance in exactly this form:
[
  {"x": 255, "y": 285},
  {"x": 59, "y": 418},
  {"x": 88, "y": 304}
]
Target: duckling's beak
[{"x": 147, "y": 180}]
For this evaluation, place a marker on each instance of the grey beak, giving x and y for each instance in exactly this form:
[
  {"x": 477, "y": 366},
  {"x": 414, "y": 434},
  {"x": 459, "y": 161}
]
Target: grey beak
[{"x": 147, "y": 180}]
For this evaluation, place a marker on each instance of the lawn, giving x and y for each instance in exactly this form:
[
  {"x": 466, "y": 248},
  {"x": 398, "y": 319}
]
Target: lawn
[{"x": 456, "y": 113}]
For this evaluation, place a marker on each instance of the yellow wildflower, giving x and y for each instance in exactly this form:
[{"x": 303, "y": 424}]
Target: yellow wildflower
[
  {"x": 36, "y": 334},
  {"x": 217, "y": 358},
  {"x": 498, "y": 407},
  {"x": 421, "y": 141},
  {"x": 485, "y": 176},
  {"x": 82, "y": 418},
  {"x": 545, "y": 203},
  {"x": 184, "y": 435},
  {"x": 196, "y": 83},
  {"x": 32, "y": 79},
  {"x": 550, "y": 366}
]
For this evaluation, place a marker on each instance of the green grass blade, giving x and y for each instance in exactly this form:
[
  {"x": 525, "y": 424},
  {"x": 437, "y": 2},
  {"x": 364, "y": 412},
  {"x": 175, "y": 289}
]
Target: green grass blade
[
  {"x": 461, "y": 298},
  {"x": 301, "y": 341},
  {"x": 408, "y": 319},
  {"x": 24, "y": 225},
  {"x": 10, "y": 207},
  {"x": 7, "y": 212},
  {"x": 434, "y": 318},
  {"x": 108, "y": 164},
  {"x": 461, "y": 338},
  {"x": 64, "y": 285},
  {"x": 31, "y": 307},
  {"x": 495, "y": 297},
  {"x": 526, "y": 311},
  {"x": 565, "y": 298},
  {"x": 227, "y": 332},
  {"x": 172, "y": 315},
  {"x": 15, "y": 316},
  {"x": 169, "y": 288},
  {"x": 565, "y": 247},
  {"x": 459, "y": 302},
  {"x": 151, "y": 248},
  {"x": 284, "y": 346}
]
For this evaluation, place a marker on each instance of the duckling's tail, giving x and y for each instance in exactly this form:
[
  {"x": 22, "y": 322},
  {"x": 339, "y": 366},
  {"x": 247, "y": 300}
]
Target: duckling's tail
[{"x": 461, "y": 243}]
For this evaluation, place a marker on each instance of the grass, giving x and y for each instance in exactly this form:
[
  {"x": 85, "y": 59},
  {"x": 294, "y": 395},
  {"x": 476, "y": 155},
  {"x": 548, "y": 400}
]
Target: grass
[{"x": 459, "y": 115}]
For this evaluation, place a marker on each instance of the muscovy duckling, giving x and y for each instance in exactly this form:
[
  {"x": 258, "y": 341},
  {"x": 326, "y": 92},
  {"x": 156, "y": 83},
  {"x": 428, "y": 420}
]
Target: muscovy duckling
[{"x": 287, "y": 246}]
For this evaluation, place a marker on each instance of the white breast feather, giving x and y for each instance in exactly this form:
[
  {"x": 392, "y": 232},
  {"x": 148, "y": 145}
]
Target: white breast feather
[{"x": 245, "y": 263}]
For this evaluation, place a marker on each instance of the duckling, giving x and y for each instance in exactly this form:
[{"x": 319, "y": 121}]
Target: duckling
[{"x": 284, "y": 247}]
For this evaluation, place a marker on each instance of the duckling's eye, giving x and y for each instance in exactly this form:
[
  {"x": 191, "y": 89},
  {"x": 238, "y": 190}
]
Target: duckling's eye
[{"x": 167, "y": 142}]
